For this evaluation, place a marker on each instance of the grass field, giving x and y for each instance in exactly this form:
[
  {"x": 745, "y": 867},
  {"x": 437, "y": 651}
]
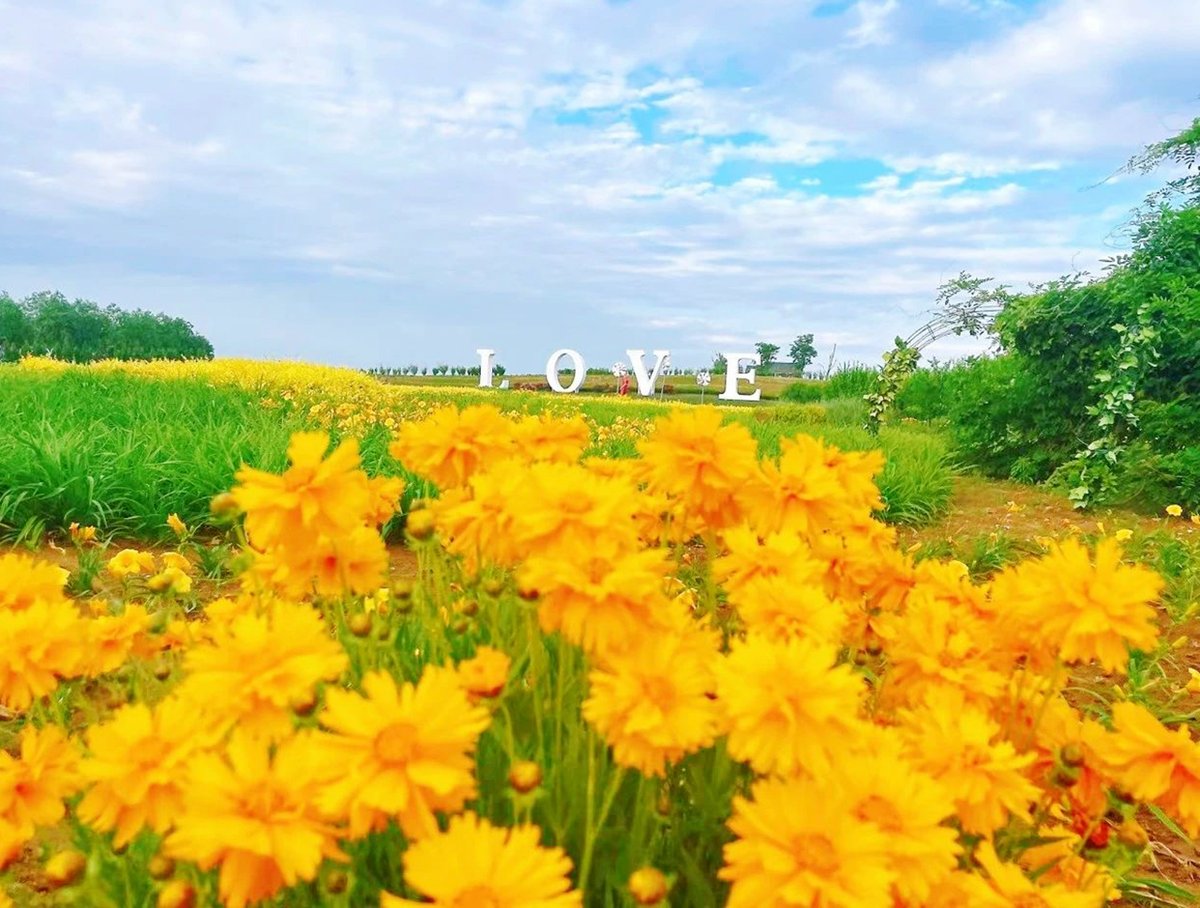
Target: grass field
[
  {"x": 672, "y": 638},
  {"x": 123, "y": 451}
]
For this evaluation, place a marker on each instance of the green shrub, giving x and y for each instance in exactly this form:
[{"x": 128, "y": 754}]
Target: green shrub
[
  {"x": 925, "y": 395},
  {"x": 1001, "y": 423},
  {"x": 803, "y": 391},
  {"x": 854, "y": 380}
]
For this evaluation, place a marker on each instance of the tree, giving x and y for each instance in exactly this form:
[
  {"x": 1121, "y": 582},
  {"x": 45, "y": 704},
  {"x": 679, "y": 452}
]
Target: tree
[
  {"x": 766, "y": 355},
  {"x": 80, "y": 331},
  {"x": 719, "y": 365},
  {"x": 802, "y": 352}
]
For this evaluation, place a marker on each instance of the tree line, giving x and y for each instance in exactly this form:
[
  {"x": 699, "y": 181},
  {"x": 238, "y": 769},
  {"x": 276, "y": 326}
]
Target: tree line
[{"x": 48, "y": 324}]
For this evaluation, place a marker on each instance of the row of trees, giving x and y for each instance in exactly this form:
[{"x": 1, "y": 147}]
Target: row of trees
[
  {"x": 801, "y": 352},
  {"x": 48, "y": 324},
  {"x": 440, "y": 369}
]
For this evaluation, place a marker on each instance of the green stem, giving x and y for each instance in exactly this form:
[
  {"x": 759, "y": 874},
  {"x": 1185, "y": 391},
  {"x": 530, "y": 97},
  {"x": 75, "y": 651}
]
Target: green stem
[{"x": 596, "y": 823}]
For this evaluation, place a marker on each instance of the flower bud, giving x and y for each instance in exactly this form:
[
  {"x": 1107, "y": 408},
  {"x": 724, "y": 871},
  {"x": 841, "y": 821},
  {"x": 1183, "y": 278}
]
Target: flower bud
[
  {"x": 524, "y": 776},
  {"x": 1065, "y": 776},
  {"x": 493, "y": 586},
  {"x": 304, "y": 704},
  {"x": 224, "y": 506},
  {"x": 337, "y": 882},
  {"x": 467, "y": 607},
  {"x": 420, "y": 525},
  {"x": 160, "y": 867},
  {"x": 65, "y": 868},
  {"x": 177, "y": 894},
  {"x": 1071, "y": 755},
  {"x": 359, "y": 624},
  {"x": 648, "y": 886}
]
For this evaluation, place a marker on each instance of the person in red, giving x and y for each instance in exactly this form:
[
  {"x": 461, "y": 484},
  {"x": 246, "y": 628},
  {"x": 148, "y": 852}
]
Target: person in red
[{"x": 624, "y": 389}]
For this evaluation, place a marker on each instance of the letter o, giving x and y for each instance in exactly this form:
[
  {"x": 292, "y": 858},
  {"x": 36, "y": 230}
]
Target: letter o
[{"x": 552, "y": 371}]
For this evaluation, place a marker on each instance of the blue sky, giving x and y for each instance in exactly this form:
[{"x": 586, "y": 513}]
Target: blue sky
[{"x": 390, "y": 183}]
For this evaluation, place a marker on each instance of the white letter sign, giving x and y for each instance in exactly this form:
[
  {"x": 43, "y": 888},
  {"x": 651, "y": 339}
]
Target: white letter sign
[
  {"x": 734, "y": 373},
  {"x": 646, "y": 382},
  {"x": 552, "y": 371},
  {"x": 487, "y": 360}
]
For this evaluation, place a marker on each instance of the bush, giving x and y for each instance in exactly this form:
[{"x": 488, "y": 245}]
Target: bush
[
  {"x": 854, "y": 380},
  {"x": 1001, "y": 421},
  {"x": 925, "y": 396},
  {"x": 803, "y": 391}
]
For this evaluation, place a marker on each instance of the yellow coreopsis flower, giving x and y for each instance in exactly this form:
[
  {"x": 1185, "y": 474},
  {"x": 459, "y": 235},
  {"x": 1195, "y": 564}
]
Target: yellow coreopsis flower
[
  {"x": 800, "y": 845},
  {"x": 1154, "y": 763},
  {"x": 701, "y": 464},
  {"x": 38, "y": 646},
  {"x": 788, "y": 707},
  {"x": 402, "y": 752},
  {"x": 1087, "y": 609},
  {"x": 474, "y": 863},
  {"x": 549, "y": 438},
  {"x": 137, "y": 765},
  {"x": 25, "y": 580},
  {"x": 936, "y": 643},
  {"x": 815, "y": 487},
  {"x": 34, "y": 783},
  {"x": 385, "y": 498},
  {"x": 452, "y": 444},
  {"x": 178, "y": 527},
  {"x": 253, "y": 813},
  {"x": 603, "y": 598},
  {"x": 1174, "y": 510},
  {"x": 256, "y": 665},
  {"x": 315, "y": 495},
  {"x": 1011, "y": 883},
  {"x": 961, "y": 746},
  {"x": 884, "y": 788},
  {"x": 651, "y": 702},
  {"x": 112, "y": 638},
  {"x": 484, "y": 674}
]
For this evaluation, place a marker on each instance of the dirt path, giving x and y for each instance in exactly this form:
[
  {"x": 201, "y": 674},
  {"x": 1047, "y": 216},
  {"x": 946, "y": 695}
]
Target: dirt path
[{"x": 981, "y": 506}]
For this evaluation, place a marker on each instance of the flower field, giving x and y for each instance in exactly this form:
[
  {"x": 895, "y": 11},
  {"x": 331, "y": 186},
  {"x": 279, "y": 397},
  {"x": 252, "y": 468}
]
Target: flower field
[{"x": 308, "y": 639}]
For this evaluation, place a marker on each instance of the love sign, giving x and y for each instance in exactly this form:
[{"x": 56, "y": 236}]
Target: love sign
[{"x": 647, "y": 378}]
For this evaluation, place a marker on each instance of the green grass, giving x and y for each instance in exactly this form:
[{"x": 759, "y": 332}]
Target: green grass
[{"x": 123, "y": 452}]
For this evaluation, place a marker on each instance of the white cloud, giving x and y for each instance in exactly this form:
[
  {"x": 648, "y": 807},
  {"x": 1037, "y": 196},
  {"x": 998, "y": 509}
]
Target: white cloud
[{"x": 872, "y": 27}]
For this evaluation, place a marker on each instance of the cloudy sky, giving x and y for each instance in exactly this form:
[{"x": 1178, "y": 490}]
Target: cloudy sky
[{"x": 395, "y": 182}]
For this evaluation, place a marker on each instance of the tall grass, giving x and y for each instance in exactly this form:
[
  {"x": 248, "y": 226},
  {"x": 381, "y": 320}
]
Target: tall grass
[{"x": 122, "y": 452}]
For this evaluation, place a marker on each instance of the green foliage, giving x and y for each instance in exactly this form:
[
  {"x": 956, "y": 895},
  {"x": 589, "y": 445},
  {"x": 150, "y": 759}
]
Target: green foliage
[
  {"x": 80, "y": 331},
  {"x": 851, "y": 380},
  {"x": 898, "y": 364},
  {"x": 766, "y": 356},
  {"x": 1114, "y": 415},
  {"x": 1183, "y": 151},
  {"x": 803, "y": 391},
  {"x": 999, "y": 422},
  {"x": 802, "y": 352}
]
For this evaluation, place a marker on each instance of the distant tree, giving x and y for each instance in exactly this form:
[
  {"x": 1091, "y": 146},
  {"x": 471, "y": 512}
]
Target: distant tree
[
  {"x": 719, "y": 365},
  {"x": 80, "y": 331},
  {"x": 766, "y": 355},
  {"x": 802, "y": 352}
]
